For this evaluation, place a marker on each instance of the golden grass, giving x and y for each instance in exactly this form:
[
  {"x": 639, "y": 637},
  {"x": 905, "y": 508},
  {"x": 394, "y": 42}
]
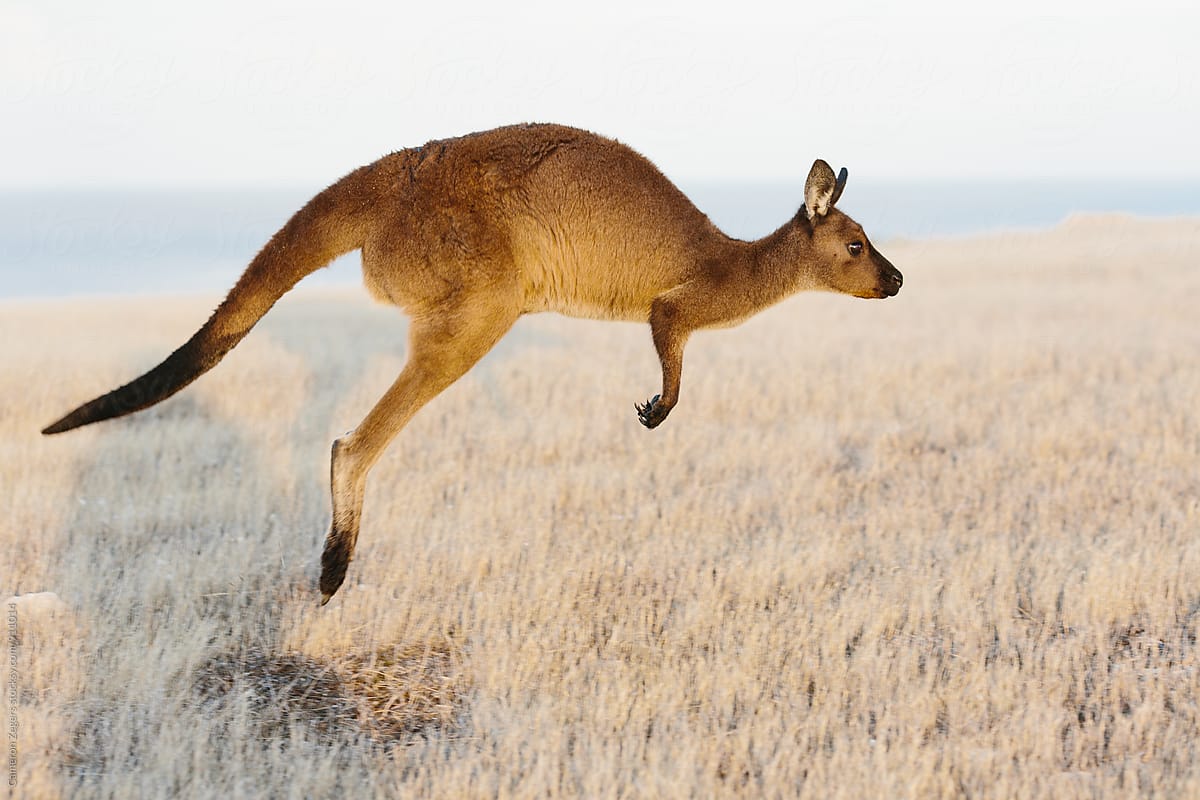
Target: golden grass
[{"x": 941, "y": 545}]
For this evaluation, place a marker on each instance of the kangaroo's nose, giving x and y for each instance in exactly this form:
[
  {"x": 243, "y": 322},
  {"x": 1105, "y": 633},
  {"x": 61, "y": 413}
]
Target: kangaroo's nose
[{"x": 894, "y": 280}]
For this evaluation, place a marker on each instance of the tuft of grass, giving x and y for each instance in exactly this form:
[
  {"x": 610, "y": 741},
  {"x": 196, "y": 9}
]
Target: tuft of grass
[
  {"x": 408, "y": 690},
  {"x": 280, "y": 691},
  {"x": 388, "y": 695}
]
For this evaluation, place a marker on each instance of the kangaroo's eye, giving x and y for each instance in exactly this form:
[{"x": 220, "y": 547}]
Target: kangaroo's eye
[{"x": 855, "y": 248}]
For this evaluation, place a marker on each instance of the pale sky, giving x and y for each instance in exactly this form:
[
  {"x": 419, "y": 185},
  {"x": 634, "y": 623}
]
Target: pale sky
[{"x": 230, "y": 92}]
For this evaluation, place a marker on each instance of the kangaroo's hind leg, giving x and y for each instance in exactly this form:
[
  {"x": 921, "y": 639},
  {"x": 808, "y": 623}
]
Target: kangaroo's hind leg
[{"x": 441, "y": 349}]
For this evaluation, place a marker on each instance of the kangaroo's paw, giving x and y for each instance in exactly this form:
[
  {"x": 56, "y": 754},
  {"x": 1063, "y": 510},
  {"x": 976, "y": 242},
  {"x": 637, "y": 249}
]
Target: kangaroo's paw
[{"x": 652, "y": 412}]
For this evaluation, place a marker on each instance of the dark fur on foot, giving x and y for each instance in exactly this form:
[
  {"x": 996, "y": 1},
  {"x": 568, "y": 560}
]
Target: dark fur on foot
[{"x": 334, "y": 563}]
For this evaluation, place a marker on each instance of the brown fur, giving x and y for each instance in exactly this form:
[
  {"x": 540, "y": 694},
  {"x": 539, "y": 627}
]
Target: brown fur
[{"x": 468, "y": 234}]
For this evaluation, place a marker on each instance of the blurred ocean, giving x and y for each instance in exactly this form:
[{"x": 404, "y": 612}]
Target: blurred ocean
[{"x": 119, "y": 242}]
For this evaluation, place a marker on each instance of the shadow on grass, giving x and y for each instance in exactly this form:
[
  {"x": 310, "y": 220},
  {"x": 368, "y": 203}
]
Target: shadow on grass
[{"x": 186, "y": 566}]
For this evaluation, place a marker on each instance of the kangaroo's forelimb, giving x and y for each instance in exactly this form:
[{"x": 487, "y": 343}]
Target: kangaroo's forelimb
[{"x": 670, "y": 327}]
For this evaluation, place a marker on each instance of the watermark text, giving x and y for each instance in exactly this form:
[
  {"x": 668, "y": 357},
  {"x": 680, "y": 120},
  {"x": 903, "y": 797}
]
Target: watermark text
[{"x": 11, "y": 695}]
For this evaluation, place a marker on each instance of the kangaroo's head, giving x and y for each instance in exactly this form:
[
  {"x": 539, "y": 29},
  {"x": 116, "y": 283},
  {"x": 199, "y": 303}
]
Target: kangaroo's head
[{"x": 842, "y": 258}]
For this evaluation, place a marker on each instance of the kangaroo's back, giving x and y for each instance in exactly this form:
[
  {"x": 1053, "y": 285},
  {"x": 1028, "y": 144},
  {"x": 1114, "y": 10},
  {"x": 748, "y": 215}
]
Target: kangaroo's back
[
  {"x": 601, "y": 232},
  {"x": 591, "y": 227}
]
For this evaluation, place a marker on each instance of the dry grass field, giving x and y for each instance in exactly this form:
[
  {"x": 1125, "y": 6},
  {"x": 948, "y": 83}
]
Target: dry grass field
[{"x": 942, "y": 545}]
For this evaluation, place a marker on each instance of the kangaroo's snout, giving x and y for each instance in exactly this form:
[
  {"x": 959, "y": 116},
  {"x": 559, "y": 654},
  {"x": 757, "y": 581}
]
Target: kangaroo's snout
[{"x": 890, "y": 279}]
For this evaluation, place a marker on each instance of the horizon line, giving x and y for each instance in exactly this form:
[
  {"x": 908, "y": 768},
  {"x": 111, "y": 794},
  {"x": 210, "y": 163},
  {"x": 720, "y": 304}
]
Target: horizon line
[{"x": 682, "y": 182}]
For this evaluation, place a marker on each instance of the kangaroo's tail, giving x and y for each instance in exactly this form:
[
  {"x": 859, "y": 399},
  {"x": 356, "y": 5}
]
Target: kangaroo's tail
[{"x": 331, "y": 224}]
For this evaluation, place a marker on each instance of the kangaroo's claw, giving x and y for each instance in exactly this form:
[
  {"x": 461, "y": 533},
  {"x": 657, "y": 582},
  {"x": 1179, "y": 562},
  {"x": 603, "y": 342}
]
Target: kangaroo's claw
[{"x": 652, "y": 412}]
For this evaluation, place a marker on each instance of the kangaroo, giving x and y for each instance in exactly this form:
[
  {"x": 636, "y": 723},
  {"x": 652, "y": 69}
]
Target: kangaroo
[{"x": 467, "y": 234}]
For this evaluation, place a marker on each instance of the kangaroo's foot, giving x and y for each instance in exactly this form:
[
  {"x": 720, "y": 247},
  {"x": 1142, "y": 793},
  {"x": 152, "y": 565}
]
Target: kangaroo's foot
[
  {"x": 334, "y": 561},
  {"x": 652, "y": 412}
]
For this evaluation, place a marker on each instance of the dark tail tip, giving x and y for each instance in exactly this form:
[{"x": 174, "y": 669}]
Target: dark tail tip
[
  {"x": 94, "y": 411},
  {"x": 193, "y": 359},
  {"x": 65, "y": 424}
]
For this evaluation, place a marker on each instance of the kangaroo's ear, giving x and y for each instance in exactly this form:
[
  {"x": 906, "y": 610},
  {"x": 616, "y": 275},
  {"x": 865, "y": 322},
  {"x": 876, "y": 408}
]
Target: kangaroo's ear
[
  {"x": 839, "y": 186},
  {"x": 822, "y": 189}
]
